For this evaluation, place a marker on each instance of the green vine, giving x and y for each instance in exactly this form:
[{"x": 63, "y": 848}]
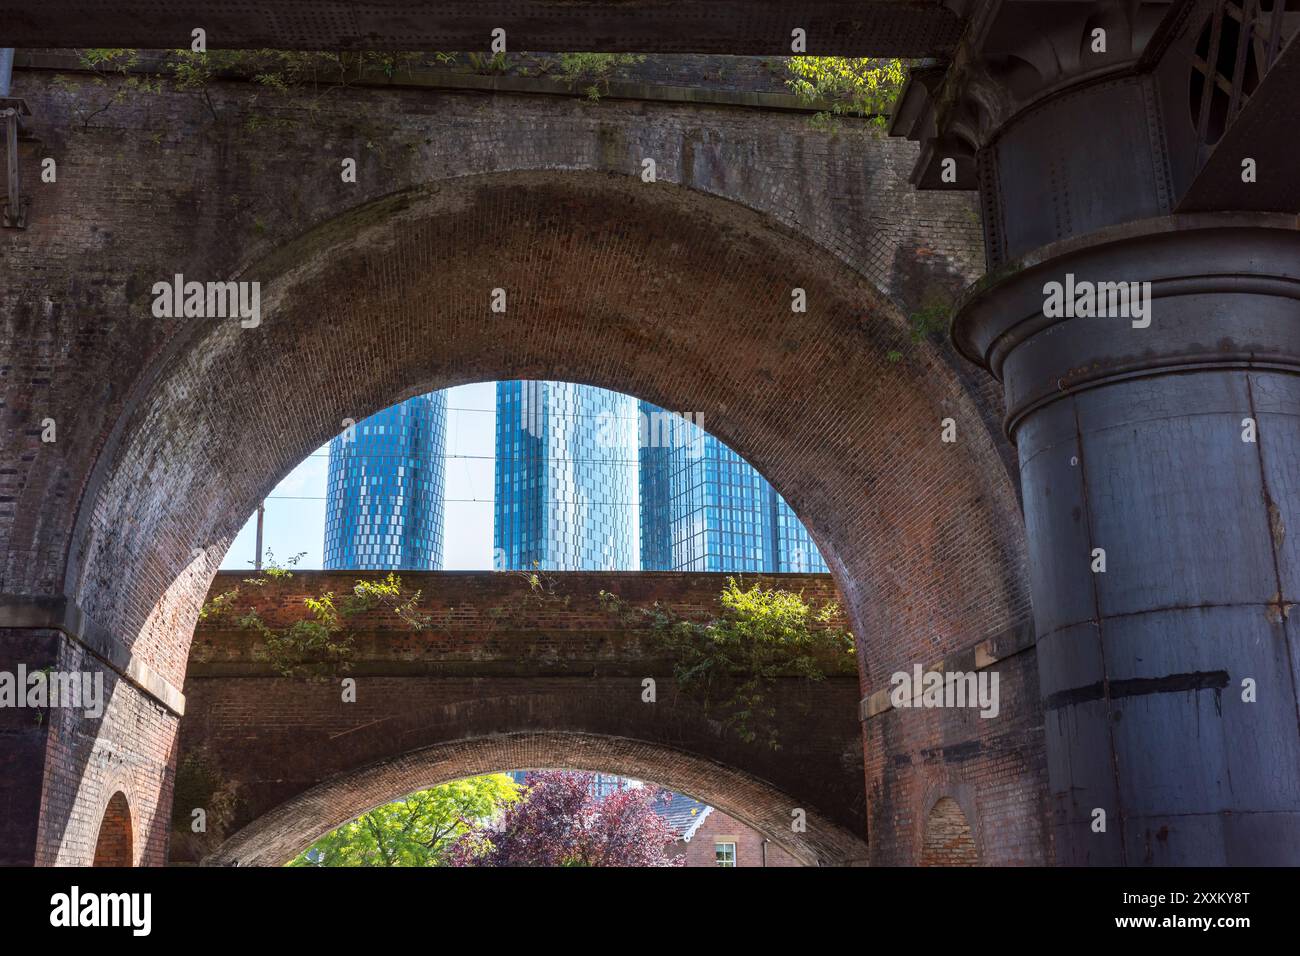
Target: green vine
[
  {"x": 320, "y": 645},
  {"x": 921, "y": 325},
  {"x": 543, "y": 590},
  {"x": 592, "y": 71},
  {"x": 731, "y": 662},
  {"x": 88, "y": 100}
]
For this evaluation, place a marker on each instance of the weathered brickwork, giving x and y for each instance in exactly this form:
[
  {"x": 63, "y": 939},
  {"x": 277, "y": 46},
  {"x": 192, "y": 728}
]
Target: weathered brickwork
[
  {"x": 131, "y": 749},
  {"x": 995, "y": 766},
  {"x": 948, "y": 840},
  {"x": 555, "y": 674},
  {"x": 679, "y": 291}
]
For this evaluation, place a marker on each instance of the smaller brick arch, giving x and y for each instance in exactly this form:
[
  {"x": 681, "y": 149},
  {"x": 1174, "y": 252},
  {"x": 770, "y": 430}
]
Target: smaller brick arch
[
  {"x": 115, "y": 845},
  {"x": 948, "y": 840},
  {"x": 277, "y": 836}
]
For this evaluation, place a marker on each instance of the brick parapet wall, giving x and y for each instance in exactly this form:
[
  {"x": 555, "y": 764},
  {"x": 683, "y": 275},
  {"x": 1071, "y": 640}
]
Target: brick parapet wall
[{"x": 489, "y": 623}]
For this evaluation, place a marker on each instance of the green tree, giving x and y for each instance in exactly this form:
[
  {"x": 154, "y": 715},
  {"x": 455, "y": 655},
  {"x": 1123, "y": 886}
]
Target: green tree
[
  {"x": 417, "y": 830},
  {"x": 847, "y": 86}
]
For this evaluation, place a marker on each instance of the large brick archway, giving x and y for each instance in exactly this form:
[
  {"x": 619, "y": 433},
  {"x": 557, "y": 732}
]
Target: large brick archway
[
  {"x": 677, "y": 291},
  {"x": 283, "y": 833},
  {"x": 650, "y": 289}
]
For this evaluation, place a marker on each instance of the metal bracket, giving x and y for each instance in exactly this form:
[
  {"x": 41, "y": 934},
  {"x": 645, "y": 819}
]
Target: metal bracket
[{"x": 12, "y": 109}]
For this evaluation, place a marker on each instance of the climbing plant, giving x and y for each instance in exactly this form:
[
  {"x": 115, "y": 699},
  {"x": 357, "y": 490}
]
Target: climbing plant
[
  {"x": 922, "y": 324},
  {"x": 542, "y": 590},
  {"x": 731, "y": 662},
  {"x": 591, "y": 71},
  {"x": 86, "y": 100},
  {"x": 318, "y": 645}
]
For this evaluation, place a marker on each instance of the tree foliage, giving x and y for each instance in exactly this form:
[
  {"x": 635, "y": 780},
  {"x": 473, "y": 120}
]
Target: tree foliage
[
  {"x": 848, "y": 86},
  {"x": 417, "y": 830},
  {"x": 560, "y": 823}
]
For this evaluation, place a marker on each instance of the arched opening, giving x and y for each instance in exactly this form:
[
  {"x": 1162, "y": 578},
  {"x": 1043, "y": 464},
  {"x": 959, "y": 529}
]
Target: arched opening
[
  {"x": 278, "y": 836},
  {"x": 948, "y": 839},
  {"x": 544, "y": 818},
  {"x": 115, "y": 845},
  {"x": 680, "y": 298},
  {"x": 661, "y": 292},
  {"x": 508, "y": 476}
]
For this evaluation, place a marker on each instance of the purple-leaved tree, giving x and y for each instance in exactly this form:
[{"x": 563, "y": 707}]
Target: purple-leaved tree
[{"x": 559, "y": 822}]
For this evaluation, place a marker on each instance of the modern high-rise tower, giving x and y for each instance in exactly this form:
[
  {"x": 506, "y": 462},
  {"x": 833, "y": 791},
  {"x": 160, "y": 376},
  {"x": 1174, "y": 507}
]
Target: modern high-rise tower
[
  {"x": 384, "y": 493},
  {"x": 566, "y": 476},
  {"x": 704, "y": 508}
]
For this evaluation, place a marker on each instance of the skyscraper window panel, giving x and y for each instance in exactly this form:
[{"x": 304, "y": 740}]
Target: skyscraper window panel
[{"x": 368, "y": 490}]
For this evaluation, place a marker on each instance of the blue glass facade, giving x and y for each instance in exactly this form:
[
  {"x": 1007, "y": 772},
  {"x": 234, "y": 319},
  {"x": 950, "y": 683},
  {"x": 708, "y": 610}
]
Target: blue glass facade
[
  {"x": 566, "y": 475},
  {"x": 384, "y": 490},
  {"x": 704, "y": 508}
]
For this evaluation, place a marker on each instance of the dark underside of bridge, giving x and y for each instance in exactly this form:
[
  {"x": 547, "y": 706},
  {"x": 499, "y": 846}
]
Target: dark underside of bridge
[
  {"x": 912, "y": 28},
  {"x": 1109, "y": 527}
]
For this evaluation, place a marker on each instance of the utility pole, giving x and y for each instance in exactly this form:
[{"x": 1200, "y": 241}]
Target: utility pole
[{"x": 261, "y": 510}]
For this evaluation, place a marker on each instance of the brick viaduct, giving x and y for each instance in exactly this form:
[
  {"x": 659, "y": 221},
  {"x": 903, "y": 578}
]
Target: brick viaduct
[
  {"x": 505, "y": 678},
  {"x": 1119, "y": 689}
]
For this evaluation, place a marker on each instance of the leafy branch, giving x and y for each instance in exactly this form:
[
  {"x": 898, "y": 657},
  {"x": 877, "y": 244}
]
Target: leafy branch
[{"x": 847, "y": 87}]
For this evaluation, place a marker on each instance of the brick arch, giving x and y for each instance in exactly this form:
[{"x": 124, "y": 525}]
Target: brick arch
[
  {"x": 948, "y": 840},
  {"x": 279, "y": 835},
  {"x": 115, "y": 845},
  {"x": 666, "y": 293}
]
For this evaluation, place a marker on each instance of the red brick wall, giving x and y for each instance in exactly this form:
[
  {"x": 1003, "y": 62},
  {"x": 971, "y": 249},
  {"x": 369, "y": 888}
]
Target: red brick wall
[
  {"x": 995, "y": 767},
  {"x": 750, "y": 849},
  {"x": 115, "y": 845},
  {"x": 948, "y": 840},
  {"x": 131, "y": 749},
  {"x": 59, "y": 768}
]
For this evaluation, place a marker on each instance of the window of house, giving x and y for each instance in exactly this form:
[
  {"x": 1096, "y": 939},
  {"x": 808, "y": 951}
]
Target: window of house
[{"x": 725, "y": 854}]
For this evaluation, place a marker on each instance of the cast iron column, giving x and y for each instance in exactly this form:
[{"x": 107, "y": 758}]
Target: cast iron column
[{"x": 1169, "y": 679}]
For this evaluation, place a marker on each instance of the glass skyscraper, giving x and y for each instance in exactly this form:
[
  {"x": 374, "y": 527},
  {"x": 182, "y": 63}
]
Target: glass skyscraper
[
  {"x": 704, "y": 508},
  {"x": 566, "y": 478},
  {"x": 384, "y": 492}
]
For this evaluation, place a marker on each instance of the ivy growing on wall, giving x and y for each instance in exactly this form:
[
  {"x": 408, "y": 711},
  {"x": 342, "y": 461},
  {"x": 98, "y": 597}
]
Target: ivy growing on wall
[
  {"x": 319, "y": 645},
  {"x": 731, "y": 662}
]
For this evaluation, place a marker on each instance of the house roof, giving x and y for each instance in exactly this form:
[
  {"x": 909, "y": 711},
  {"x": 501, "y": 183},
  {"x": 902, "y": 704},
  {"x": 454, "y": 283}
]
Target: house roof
[{"x": 682, "y": 814}]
